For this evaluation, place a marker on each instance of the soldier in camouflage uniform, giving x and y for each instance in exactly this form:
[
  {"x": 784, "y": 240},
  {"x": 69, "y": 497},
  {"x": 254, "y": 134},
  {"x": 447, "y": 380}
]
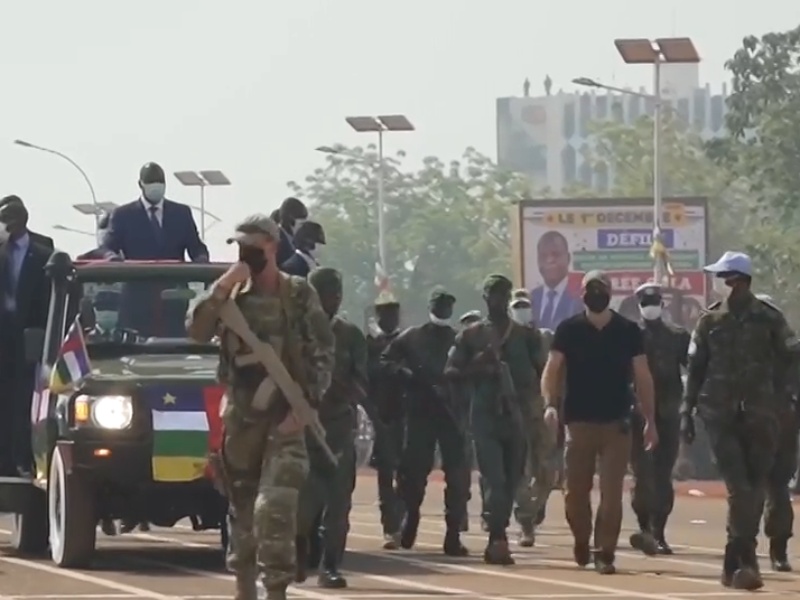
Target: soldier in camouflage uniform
[
  {"x": 264, "y": 457},
  {"x": 480, "y": 355},
  {"x": 653, "y": 496},
  {"x": 418, "y": 356},
  {"x": 329, "y": 488},
  {"x": 735, "y": 355},
  {"x": 537, "y": 477},
  {"x": 390, "y": 430},
  {"x": 778, "y": 512},
  {"x": 465, "y": 391}
]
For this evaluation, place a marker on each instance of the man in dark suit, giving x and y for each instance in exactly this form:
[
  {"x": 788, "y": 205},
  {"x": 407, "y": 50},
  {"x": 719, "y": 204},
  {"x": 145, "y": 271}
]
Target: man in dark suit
[
  {"x": 289, "y": 216},
  {"x": 553, "y": 302},
  {"x": 36, "y": 238},
  {"x": 152, "y": 227},
  {"x": 308, "y": 236},
  {"x": 24, "y": 302}
]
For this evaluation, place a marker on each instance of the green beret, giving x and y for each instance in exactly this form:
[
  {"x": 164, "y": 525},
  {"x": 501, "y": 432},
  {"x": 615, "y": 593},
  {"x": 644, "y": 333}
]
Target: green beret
[
  {"x": 439, "y": 294},
  {"x": 497, "y": 282},
  {"x": 324, "y": 278}
]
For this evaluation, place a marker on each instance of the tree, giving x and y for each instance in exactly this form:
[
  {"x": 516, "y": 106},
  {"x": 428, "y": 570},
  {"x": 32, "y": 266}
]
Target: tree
[{"x": 446, "y": 224}]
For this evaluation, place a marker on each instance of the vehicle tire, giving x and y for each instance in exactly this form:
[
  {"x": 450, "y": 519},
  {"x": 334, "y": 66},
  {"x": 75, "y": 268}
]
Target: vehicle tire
[
  {"x": 71, "y": 516},
  {"x": 29, "y": 528}
]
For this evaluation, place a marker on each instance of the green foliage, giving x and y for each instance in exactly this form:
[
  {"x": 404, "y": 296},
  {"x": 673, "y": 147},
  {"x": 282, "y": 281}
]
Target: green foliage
[{"x": 446, "y": 224}]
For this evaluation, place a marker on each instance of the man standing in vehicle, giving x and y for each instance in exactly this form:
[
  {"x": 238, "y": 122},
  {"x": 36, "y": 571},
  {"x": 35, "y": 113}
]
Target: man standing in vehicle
[
  {"x": 264, "y": 457},
  {"x": 329, "y": 489}
]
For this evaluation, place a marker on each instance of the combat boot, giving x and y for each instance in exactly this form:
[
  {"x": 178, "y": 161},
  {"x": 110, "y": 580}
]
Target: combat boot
[
  {"x": 644, "y": 542},
  {"x": 330, "y": 577},
  {"x": 659, "y": 527},
  {"x": 452, "y": 545},
  {"x": 748, "y": 576},
  {"x": 408, "y": 534},
  {"x": 246, "y": 585},
  {"x": 301, "y": 558},
  {"x": 498, "y": 553},
  {"x": 391, "y": 541},
  {"x": 527, "y": 535},
  {"x": 778, "y": 555}
]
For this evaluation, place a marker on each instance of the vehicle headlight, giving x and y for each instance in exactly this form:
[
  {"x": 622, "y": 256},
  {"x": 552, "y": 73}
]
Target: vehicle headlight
[{"x": 112, "y": 412}]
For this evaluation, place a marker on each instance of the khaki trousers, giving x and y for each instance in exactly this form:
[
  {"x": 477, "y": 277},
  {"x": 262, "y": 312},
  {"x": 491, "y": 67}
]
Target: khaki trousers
[{"x": 585, "y": 443}]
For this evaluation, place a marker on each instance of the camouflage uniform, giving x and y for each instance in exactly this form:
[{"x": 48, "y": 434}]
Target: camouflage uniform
[
  {"x": 538, "y": 475},
  {"x": 734, "y": 355},
  {"x": 389, "y": 430},
  {"x": 497, "y": 428},
  {"x": 329, "y": 488},
  {"x": 653, "y": 496},
  {"x": 778, "y": 512},
  {"x": 265, "y": 469},
  {"x": 418, "y": 355}
]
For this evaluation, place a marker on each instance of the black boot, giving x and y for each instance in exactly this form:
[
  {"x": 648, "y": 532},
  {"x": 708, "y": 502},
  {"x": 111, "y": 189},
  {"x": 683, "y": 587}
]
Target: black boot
[
  {"x": 778, "y": 555},
  {"x": 527, "y": 534},
  {"x": 748, "y": 576},
  {"x": 497, "y": 551},
  {"x": 330, "y": 577},
  {"x": 452, "y": 544},
  {"x": 659, "y": 528},
  {"x": 301, "y": 558},
  {"x": 730, "y": 562},
  {"x": 408, "y": 534}
]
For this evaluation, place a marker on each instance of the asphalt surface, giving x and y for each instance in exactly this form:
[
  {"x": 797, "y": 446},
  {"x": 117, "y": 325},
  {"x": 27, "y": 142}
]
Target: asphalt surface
[{"x": 179, "y": 563}]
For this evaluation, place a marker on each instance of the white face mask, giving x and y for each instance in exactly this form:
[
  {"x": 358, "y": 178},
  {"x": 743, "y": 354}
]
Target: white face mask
[
  {"x": 437, "y": 321},
  {"x": 718, "y": 284},
  {"x": 153, "y": 192},
  {"x": 4, "y": 235},
  {"x": 650, "y": 313},
  {"x": 106, "y": 319},
  {"x": 523, "y": 316}
]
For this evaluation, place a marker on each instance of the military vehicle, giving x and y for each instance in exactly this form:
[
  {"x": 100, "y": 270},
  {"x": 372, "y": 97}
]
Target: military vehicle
[{"x": 130, "y": 439}]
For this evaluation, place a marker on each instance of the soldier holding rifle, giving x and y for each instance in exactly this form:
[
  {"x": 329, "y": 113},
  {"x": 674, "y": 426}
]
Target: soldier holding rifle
[
  {"x": 276, "y": 361},
  {"x": 499, "y": 357}
]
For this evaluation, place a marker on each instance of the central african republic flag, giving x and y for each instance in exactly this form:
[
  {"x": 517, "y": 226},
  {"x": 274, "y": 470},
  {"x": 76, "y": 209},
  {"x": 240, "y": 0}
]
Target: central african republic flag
[{"x": 186, "y": 427}]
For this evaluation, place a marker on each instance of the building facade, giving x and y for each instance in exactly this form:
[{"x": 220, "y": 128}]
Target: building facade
[{"x": 546, "y": 137}]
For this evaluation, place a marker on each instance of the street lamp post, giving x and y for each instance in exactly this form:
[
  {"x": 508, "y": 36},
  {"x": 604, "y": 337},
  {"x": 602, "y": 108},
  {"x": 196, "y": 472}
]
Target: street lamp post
[
  {"x": 380, "y": 125},
  {"x": 202, "y": 179},
  {"x": 63, "y": 156},
  {"x": 652, "y": 52},
  {"x": 73, "y": 230}
]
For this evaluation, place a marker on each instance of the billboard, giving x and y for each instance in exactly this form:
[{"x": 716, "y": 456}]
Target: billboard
[{"x": 557, "y": 241}]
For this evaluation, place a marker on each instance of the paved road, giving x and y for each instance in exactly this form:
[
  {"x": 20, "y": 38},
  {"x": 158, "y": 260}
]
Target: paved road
[{"x": 178, "y": 563}]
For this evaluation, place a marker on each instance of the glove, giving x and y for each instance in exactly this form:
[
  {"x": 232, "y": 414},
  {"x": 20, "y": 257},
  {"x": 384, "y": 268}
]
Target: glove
[{"x": 687, "y": 428}]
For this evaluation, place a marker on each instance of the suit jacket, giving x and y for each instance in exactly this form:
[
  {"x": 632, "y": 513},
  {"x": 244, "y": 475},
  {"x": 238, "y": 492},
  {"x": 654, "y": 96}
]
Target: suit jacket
[
  {"x": 131, "y": 234},
  {"x": 285, "y": 247},
  {"x": 567, "y": 306},
  {"x": 42, "y": 240},
  {"x": 33, "y": 290},
  {"x": 296, "y": 265}
]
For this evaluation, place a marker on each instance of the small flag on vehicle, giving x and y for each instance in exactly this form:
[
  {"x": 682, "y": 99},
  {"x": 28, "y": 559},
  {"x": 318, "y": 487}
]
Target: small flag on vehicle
[{"x": 72, "y": 364}]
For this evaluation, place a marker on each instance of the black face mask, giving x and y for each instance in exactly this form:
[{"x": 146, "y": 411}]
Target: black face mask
[
  {"x": 254, "y": 258},
  {"x": 596, "y": 300}
]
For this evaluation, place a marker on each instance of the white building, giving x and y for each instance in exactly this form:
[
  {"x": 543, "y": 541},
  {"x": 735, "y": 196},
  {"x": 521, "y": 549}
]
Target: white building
[{"x": 544, "y": 137}]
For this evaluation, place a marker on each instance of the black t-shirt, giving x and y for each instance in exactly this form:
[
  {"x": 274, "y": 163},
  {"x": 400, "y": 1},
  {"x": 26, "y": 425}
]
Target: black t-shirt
[{"x": 599, "y": 367}]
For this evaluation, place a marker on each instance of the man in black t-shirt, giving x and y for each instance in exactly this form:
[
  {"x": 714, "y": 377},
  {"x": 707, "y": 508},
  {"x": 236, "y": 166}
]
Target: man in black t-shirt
[{"x": 596, "y": 355}]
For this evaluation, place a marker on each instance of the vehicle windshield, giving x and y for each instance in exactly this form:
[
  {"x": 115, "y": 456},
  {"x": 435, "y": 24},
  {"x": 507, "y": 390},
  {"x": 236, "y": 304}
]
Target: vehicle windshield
[{"x": 148, "y": 314}]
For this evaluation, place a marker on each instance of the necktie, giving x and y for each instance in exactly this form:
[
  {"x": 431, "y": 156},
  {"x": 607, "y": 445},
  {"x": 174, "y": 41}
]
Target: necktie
[
  {"x": 549, "y": 310},
  {"x": 154, "y": 221}
]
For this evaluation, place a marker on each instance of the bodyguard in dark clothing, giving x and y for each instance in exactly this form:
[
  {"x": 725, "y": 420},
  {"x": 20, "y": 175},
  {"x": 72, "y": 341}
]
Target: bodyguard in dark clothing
[
  {"x": 307, "y": 240},
  {"x": 653, "y": 496},
  {"x": 388, "y": 395},
  {"x": 419, "y": 355},
  {"x": 24, "y": 301},
  {"x": 36, "y": 238},
  {"x": 289, "y": 216}
]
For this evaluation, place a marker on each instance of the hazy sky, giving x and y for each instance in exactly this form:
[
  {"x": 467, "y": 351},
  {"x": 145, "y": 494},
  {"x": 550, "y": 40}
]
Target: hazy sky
[{"x": 251, "y": 87}]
